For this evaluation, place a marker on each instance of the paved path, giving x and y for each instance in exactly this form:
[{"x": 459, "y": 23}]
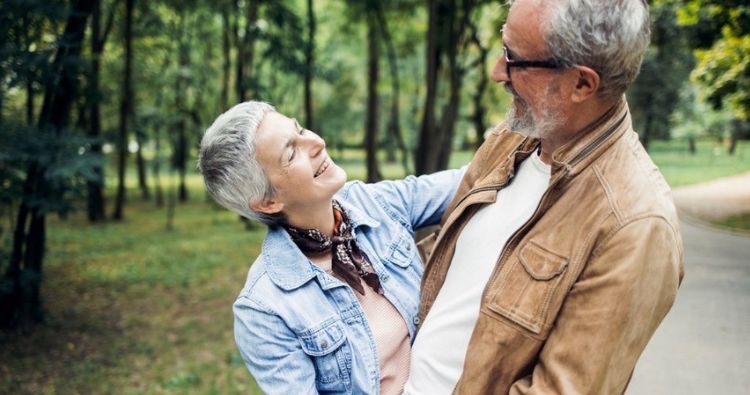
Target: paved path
[
  {"x": 703, "y": 345},
  {"x": 716, "y": 199}
]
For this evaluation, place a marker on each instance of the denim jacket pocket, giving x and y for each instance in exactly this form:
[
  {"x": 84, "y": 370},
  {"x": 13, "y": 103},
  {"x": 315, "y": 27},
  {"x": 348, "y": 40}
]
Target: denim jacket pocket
[
  {"x": 403, "y": 250},
  {"x": 324, "y": 343},
  {"x": 525, "y": 287}
]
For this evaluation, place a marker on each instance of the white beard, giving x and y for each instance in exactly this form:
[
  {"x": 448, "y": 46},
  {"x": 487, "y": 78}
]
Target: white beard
[{"x": 521, "y": 119}]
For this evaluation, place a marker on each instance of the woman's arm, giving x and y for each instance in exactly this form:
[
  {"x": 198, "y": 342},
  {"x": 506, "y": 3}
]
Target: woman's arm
[
  {"x": 272, "y": 352},
  {"x": 420, "y": 201}
]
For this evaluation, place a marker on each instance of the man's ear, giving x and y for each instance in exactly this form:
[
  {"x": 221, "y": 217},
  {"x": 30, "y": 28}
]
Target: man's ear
[
  {"x": 267, "y": 206},
  {"x": 587, "y": 84}
]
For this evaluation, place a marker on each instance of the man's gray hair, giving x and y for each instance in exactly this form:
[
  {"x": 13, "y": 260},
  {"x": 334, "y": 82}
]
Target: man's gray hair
[
  {"x": 232, "y": 175},
  {"x": 610, "y": 36}
]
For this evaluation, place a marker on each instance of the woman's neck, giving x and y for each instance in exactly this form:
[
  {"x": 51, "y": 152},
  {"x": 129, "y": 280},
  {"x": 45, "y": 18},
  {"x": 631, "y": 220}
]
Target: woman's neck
[{"x": 319, "y": 217}]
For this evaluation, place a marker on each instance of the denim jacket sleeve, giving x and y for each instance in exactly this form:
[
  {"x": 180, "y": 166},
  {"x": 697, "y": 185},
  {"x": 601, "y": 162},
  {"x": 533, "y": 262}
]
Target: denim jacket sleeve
[
  {"x": 272, "y": 352},
  {"x": 420, "y": 201}
]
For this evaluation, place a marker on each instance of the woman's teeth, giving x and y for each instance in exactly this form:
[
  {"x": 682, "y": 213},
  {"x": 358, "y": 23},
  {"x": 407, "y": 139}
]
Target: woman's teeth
[{"x": 322, "y": 168}]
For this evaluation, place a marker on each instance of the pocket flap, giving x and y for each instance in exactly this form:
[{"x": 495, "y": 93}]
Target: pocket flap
[
  {"x": 402, "y": 250},
  {"x": 540, "y": 263},
  {"x": 324, "y": 338}
]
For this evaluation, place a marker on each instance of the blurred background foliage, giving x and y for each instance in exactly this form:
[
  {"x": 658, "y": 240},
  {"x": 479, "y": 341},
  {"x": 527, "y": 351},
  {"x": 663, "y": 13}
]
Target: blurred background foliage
[{"x": 103, "y": 103}]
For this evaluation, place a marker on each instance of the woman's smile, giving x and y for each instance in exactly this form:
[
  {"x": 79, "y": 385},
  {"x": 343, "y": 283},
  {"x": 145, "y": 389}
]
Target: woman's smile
[{"x": 323, "y": 167}]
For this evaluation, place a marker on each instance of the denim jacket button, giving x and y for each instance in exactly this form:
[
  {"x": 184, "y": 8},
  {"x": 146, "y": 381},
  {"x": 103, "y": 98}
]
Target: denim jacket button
[
  {"x": 416, "y": 320},
  {"x": 324, "y": 344}
]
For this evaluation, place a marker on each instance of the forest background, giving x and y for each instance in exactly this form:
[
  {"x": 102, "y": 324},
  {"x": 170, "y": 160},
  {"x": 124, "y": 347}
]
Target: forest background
[{"x": 117, "y": 272}]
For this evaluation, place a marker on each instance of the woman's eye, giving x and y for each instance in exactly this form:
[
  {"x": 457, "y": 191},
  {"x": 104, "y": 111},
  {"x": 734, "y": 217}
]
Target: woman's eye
[
  {"x": 301, "y": 130},
  {"x": 291, "y": 155}
]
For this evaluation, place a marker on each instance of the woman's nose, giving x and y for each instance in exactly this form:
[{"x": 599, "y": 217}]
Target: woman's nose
[{"x": 315, "y": 142}]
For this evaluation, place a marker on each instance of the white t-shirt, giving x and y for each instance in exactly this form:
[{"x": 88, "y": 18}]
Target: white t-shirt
[{"x": 438, "y": 354}]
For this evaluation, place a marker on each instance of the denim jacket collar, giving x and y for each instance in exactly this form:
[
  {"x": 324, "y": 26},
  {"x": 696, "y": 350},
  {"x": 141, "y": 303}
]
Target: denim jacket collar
[{"x": 286, "y": 265}]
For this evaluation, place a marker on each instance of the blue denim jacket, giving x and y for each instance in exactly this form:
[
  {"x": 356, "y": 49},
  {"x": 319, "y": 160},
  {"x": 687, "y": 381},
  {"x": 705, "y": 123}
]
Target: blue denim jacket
[{"x": 301, "y": 330}]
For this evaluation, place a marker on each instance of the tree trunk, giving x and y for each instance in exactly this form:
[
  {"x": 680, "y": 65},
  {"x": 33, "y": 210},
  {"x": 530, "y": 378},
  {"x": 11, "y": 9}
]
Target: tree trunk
[
  {"x": 245, "y": 49},
  {"x": 29, "y": 102},
  {"x": 691, "y": 144},
  {"x": 239, "y": 81},
  {"x": 646, "y": 137},
  {"x": 371, "y": 125},
  {"x": 479, "y": 110},
  {"x": 445, "y": 35},
  {"x": 309, "y": 64},
  {"x": 20, "y": 303},
  {"x": 180, "y": 151},
  {"x": 141, "y": 165},
  {"x": 95, "y": 188},
  {"x": 226, "y": 69},
  {"x": 125, "y": 111},
  {"x": 423, "y": 155},
  {"x": 394, "y": 125},
  {"x": 736, "y": 126}
]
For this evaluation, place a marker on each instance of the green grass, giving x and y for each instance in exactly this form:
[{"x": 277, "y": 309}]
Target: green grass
[
  {"x": 739, "y": 222},
  {"x": 710, "y": 161},
  {"x": 135, "y": 309}
]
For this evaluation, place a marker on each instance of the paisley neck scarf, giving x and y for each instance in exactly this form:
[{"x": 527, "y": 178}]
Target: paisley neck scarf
[{"x": 348, "y": 262}]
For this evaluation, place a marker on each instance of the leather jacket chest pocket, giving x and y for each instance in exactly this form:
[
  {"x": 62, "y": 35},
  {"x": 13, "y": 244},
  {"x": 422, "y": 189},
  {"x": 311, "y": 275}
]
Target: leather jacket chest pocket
[
  {"x": 325, "y": 344},
  {"x": 524, "y": 290}
]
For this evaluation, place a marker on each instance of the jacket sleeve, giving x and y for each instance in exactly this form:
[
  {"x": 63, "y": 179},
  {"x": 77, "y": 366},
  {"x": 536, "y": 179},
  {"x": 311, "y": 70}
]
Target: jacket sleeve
[
  {"x": 272, "y": 352},
  {"x": 420, "y": 201},
  {"x": 611, "y": 312}
]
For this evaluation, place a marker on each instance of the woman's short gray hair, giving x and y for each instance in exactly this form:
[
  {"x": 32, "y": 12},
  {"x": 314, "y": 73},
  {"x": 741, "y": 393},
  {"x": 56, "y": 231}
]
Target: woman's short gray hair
[
  {"x": 610, "y": 36},
  {"x": 232, "y": 175}
]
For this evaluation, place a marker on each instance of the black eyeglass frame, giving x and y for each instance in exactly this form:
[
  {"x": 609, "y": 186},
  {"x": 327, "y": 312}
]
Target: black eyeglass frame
[{"x": 522, "y": 64}]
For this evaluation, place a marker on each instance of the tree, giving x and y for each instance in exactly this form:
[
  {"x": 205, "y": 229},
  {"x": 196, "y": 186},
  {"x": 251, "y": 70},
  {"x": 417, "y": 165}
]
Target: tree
[
  {"x": 95, "y": 204},
  {"x": 723, "y": 70},
  {"x": 309, "y": 65},
  {"x": 245, "y": 47},
  {"x": 666, "y": 66},
  {"x": 371, "y": 122},
  {"x": 395, "y": 137},
  {"x": 447, "y": 30},
  {"x": 126, "y": 110},
  {"x": 44, "y": 183}
]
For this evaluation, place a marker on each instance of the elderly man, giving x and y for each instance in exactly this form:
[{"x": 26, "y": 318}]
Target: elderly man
[{"x": 561, "y": 252}]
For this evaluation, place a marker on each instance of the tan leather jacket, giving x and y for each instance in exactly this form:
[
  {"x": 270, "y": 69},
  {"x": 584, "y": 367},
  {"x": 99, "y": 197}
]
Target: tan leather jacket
[{"x": 580, "y": 288}]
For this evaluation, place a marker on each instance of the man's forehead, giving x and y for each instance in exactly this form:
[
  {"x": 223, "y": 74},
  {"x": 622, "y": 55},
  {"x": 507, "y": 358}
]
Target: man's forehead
[{"x": 523, "y": 28}]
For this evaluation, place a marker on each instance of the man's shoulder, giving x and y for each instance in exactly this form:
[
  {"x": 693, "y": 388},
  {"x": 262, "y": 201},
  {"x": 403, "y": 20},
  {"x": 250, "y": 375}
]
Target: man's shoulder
[{"x": 633, "y": 185}]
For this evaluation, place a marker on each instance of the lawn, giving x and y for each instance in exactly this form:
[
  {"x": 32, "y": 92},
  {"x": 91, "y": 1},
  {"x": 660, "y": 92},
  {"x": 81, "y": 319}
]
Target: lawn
[
  {"x": 135, "y": 309},
  {"x": 739, "y": 222},
  {"x": 709, "y": 162}
]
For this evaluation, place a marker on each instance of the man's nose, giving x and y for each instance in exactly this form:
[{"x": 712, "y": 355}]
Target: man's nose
[{"x": 500, "y": 71}]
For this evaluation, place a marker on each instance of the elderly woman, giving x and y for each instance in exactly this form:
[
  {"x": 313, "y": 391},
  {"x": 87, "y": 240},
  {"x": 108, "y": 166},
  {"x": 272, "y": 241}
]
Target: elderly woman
[{"x": 330, "y": 305}]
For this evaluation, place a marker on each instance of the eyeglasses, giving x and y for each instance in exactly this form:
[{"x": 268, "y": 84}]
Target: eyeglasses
[{"x": 544, "y": 64}]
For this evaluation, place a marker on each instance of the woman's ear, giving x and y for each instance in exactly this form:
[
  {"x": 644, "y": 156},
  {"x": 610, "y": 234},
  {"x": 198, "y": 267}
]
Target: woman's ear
[
  {"x": 587, "y": 84},
  {"x": 267, "y": 206}
]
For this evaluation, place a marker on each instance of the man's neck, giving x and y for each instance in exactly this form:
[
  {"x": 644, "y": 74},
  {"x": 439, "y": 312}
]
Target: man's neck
[{"x": 579, "y": 122}]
